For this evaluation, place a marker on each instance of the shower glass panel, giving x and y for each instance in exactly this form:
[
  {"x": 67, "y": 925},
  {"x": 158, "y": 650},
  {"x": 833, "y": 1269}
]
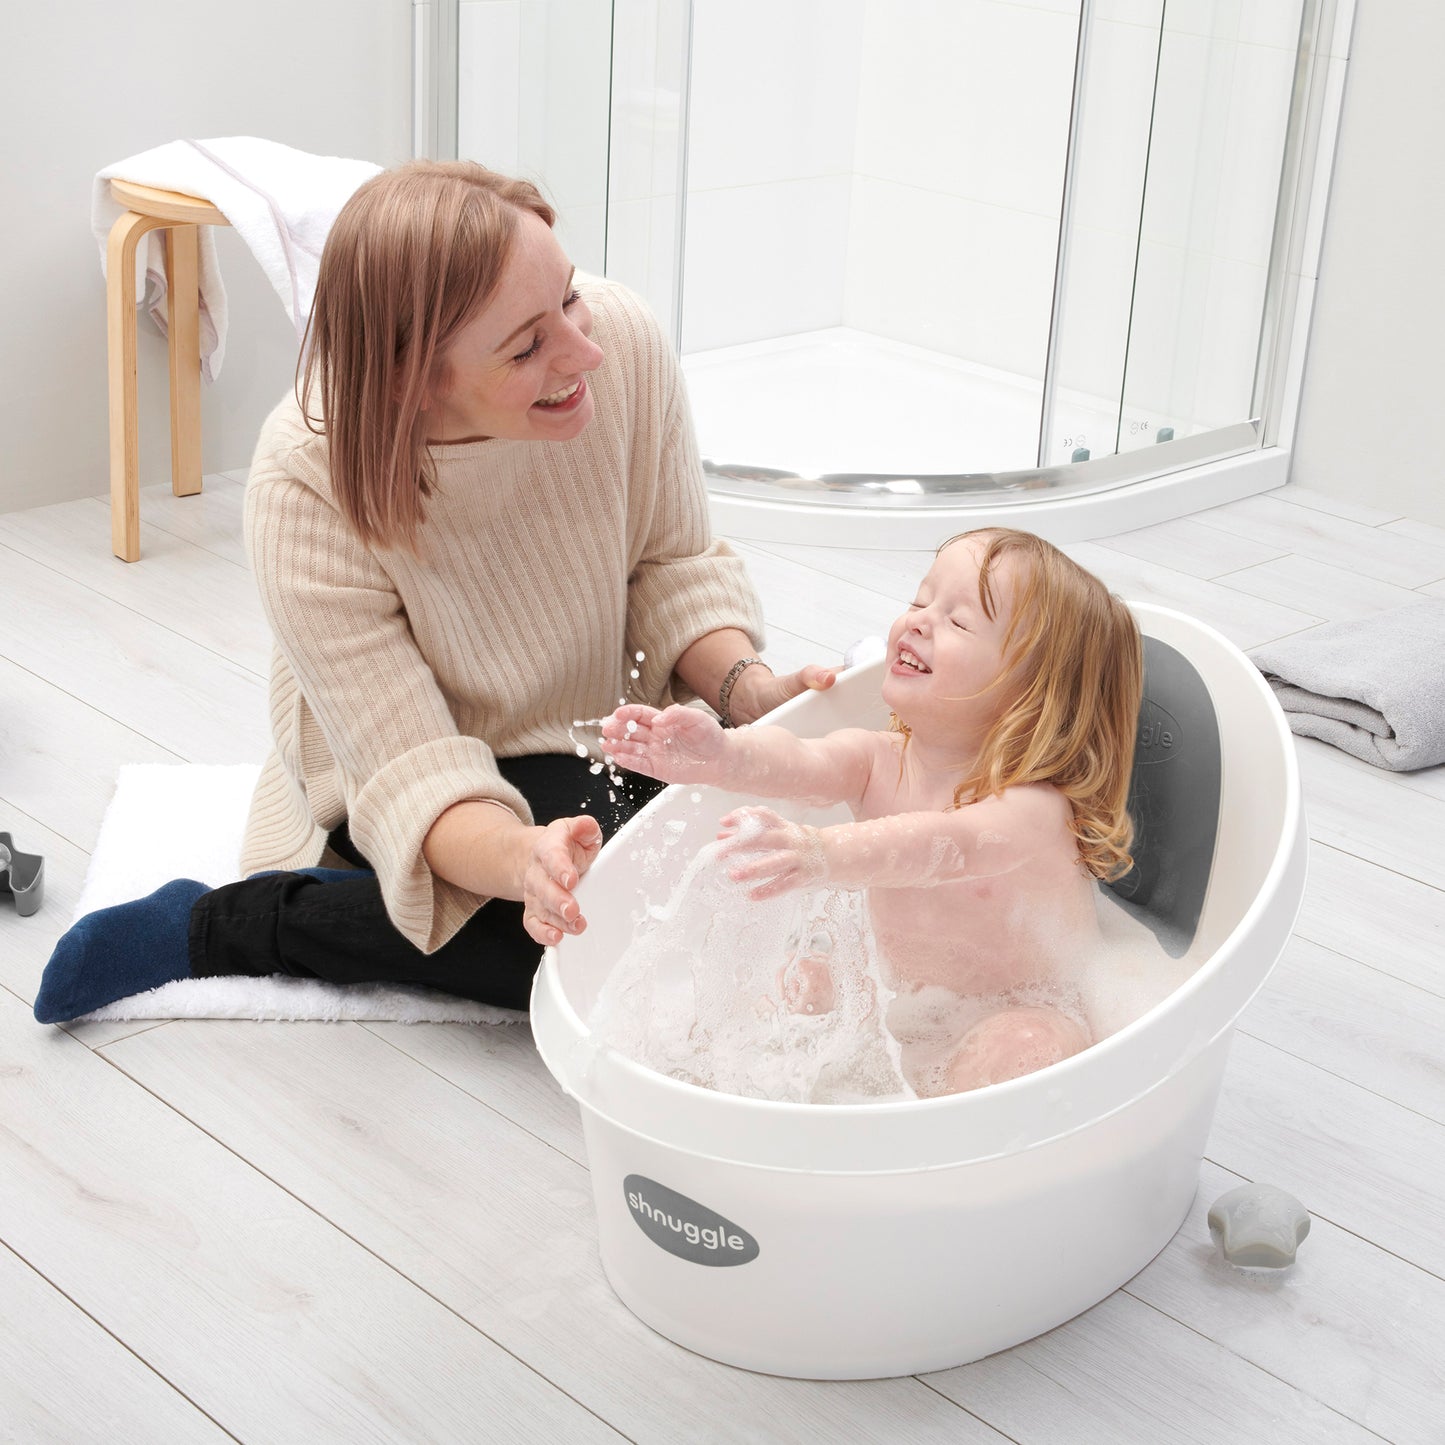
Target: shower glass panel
[
  {"x": 534, "y": 83},
  {"x": 1221, "y": 107},
  {"x": 923, "y": 252},
  {"x": 872, "y": 220}
]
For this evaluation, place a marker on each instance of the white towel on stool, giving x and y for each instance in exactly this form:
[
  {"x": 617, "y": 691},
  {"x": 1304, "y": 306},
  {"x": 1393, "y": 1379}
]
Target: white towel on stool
[{"x": 281, "y": 202}]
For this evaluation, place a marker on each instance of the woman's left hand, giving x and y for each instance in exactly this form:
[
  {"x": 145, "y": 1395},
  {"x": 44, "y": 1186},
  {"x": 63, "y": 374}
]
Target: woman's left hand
[{"x": 757, "y": 691}]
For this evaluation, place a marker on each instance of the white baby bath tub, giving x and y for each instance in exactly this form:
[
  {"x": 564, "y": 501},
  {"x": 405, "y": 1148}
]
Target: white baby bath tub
[{"x": 852, "y": 1241}]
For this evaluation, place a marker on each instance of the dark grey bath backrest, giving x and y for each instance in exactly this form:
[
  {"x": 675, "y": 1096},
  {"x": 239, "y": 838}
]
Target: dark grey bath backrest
[{"x": 1173, "y": 799}]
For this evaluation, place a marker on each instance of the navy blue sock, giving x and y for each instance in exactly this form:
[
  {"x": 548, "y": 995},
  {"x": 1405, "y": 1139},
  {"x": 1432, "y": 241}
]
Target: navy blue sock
[{"x": 115, "y": 952}]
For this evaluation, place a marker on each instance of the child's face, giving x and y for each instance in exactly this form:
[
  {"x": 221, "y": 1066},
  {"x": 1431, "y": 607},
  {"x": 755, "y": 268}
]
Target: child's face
[{"x": 945, "y": 651}]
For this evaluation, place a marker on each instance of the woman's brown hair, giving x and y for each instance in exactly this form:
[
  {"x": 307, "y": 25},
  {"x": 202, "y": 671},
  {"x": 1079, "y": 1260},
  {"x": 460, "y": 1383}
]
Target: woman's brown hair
[
  {"x": 1072, "y": 678},
  {"x": 414, "y": 255}
]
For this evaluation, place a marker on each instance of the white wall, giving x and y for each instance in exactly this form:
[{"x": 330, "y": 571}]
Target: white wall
[
  {"x": 963, "y": 122},
  {"x": 1369, "y": 421},
  {"x": 533, "y": 87},
  {"x": 88, "y": 82}
]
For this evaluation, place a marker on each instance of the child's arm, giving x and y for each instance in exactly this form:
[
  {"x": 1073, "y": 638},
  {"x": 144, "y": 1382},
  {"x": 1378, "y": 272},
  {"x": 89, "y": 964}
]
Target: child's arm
[
  {"x": 685, "y": 745},
  {"x": 907, "y": 850}
]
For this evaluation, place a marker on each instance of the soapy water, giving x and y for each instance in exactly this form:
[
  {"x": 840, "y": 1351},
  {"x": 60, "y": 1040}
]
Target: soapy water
[
  {"x": 699, "y": 996},
  {"x": 715, "y": 991}
]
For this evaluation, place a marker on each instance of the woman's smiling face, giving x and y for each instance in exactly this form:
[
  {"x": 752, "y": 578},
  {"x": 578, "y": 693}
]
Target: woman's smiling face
[{"x": 518, "y": 369}]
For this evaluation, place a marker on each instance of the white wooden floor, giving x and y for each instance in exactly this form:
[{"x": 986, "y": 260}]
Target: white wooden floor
[{"x": 344, "y": 1232}]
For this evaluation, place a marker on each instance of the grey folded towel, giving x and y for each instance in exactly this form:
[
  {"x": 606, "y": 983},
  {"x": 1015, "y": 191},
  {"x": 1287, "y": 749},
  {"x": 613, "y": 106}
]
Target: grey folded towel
[{"x": 1374, "y": 686}]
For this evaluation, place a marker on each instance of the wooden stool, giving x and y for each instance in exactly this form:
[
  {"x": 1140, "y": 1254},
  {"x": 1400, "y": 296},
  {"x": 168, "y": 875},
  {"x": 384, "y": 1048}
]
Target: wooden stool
[{"x": 179, "y": 216}]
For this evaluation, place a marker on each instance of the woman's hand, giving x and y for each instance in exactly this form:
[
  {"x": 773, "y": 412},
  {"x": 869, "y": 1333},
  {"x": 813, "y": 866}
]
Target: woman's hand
[
  {"x": 677, "y": 745},
  {"x": 771, "y": 853},
  {"x": 560, "y": 854},
  {"x": 757, "y": 691}
]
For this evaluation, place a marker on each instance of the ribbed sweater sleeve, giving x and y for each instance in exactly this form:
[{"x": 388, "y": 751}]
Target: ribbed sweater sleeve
[{"x": 399, "y": 758}]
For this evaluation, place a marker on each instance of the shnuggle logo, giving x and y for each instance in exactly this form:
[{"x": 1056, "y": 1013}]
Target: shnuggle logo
[
  {"x": 684, "y": 1227},
  {"x": 1159, "y": 734}
]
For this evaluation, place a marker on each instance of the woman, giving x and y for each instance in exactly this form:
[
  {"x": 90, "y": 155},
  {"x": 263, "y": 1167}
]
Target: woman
[{"x": 486, "y": 521}]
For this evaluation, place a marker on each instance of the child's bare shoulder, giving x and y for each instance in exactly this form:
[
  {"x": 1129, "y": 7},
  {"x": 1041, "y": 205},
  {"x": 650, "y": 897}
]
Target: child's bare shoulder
[{"x": 1028, "y": 805}]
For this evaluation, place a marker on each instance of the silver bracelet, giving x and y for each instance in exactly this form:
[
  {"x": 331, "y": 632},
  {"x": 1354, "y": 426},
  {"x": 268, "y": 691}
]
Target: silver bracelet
[{"x": 725, "y": 692}]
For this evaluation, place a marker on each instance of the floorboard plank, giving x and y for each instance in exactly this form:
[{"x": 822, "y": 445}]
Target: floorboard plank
[
  {"x": 1347, "y": 1324},
  {"x": 210, "y": 519},
  {"x": 66, "y": 1380},
  {"x": 59, "y": 757},
  {"x": 1367, "y": 551},
  {"x": 1348, "y": 1155},
  {"x": 1119, "y": 1372},
  {"x": 176, "y": 584},
  {"x": 193, "y": 702},
  {"x": 269, "y": 1319},
  {"x": 833, "y": 612},
  {"x": 1362, "y": 811},
  {"x": 1347, "y": 903},
  {"x": 1245, "y": 621},
  {"x": 1188, "y": 546},
  {"x": 498, "y": 1065},
  {"x": 26, "y": 943},
  {"x": 1331, "y": 593},
  {"x": 491, "y": 1221},
  {"x": 1355, "y": 1022}
]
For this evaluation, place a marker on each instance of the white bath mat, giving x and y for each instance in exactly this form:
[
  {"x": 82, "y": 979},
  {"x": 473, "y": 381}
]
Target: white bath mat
[{"x": 186, "y": 821}]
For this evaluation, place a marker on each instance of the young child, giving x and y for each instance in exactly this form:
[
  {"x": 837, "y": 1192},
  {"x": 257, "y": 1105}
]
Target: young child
[{"x": 982, "y": 818}]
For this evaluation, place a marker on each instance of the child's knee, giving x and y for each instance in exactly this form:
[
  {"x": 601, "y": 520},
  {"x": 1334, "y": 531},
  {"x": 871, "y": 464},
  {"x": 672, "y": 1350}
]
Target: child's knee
[
  {"x": 1011, "y": 1043},
  {"x": 806, "y": 981}
]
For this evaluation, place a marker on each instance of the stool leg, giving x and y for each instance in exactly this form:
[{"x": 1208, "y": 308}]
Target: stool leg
[
  {"x": 183, "y": 279},
  {"x": 120, "y": 302}
]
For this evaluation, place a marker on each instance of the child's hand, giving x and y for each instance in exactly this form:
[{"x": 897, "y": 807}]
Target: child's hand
[
  {"x": 771, "y": 853},
  {"x": 678, "y": 745}
]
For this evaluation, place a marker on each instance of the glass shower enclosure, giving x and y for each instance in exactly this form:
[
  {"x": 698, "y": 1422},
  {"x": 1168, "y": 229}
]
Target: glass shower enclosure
[{"x": 929, "y": 254}]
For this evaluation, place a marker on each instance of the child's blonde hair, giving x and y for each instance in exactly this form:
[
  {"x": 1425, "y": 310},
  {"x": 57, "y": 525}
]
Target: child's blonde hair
[
  {"x": 416, "y": 252},
  {"x": 1071, "y": 682}
]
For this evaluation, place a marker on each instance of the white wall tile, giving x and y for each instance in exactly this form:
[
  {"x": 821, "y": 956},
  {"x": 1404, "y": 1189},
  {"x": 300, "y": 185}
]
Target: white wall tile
[
  {"x": 582, "y": 232},
  {"x": 969, "y": 98},
  {"x": 966, "y": 279},
  {"x": 1272, "y": 22},
  {"x": 1112, "y": 144},
  {"x": 764, "y": 261},
  {"x": 774, "y": 90},
  {"x": 1094, "y": 321},
  {"x": 1229, "y": 341},
  {"x": 1254, "y": 143},
  {"x": 634, "y": 99},
  {"x": 488, "y": 79},
  {"x": 565, "y": 85},
  {"x": 1147, "y": 13},
  {"x": 640, "y": 240},
  {"x": 1186, "y": 150}
]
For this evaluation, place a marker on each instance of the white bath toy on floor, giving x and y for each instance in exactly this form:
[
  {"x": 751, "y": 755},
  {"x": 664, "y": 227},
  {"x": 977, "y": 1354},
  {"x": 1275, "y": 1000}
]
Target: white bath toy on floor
[
  {"x": 1258, "y": 1226},
  {"x": 856, "y": 1240}
]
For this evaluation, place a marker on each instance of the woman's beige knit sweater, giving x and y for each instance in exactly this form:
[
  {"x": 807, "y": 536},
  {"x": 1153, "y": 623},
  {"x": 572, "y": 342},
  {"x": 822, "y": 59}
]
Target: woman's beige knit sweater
[{"x": 546, "y": 567}]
